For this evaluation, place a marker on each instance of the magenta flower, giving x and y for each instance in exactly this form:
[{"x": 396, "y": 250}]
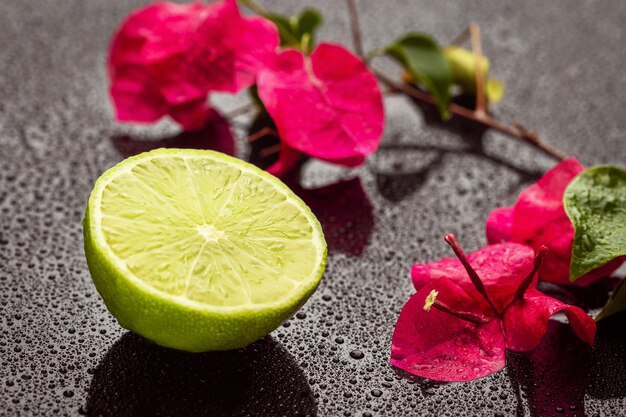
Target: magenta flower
[
  {"x": 468, "y": 311},
  {"x": 166, "y": 58},
  {"x": 538, "y": 218},
  {"x": 327, "y": 105}
]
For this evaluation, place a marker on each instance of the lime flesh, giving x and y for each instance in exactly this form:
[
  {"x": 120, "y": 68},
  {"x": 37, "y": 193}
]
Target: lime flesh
[{"x": 200, "y": 251}]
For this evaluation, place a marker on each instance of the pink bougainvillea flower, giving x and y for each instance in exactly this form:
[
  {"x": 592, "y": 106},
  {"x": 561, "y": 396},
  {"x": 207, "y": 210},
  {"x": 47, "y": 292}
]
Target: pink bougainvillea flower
[
  {"x": 468, "y": 311},
  {"x": 166, "y": 58},
  {"x": 538, "y": 218},
  {"x": 327, "y": 105}
]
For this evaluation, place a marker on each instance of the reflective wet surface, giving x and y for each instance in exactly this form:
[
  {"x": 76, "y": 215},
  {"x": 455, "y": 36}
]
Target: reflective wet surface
[{"x": 62, "y": 353}]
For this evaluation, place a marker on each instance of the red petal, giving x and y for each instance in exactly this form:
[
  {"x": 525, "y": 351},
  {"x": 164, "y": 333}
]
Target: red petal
[
  {"x": 327, "y": 105},
  {"x": 141, "y": 39},
  {"x": 256, "y": 49},
  {"x": 184, "y": 52},
  {"x": 135, "y": 97},
  {"x": 501, "y": 267},
  {"x": 526, "y": 321},
  {"x": 442, "y": 347},
  {"x": 539, "y": 219},
  {"x": 158, "y": 30},
  {"x": 499, "y": 225},
  {"x": 225, "y": 54}
]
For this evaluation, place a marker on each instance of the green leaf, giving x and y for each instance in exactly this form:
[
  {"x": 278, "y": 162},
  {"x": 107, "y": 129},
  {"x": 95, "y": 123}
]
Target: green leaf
[
  {"x": 308, "y": 22},
  {"x": 297, "y": 31},
  {"x": 595, "y": 202},
  {"x": 423, "y": 59},
  {"x": 287, "y": 29}
]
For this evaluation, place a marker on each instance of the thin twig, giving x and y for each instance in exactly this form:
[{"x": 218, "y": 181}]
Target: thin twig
[
  {"x": 266, "y": 131},
  {"x": 271, "y": 150},
  {"x": 481, "y": 106},
  {"x": 515, "y": 130},
  {"x": 355, "y": 27}
]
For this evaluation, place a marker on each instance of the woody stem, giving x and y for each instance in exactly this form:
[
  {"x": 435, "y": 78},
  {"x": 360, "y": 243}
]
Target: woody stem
[
  {"x": 514, "y": 130},
  {"x": 355, "y": 27},
  {"x": 478, "y": 283},
  {"x": 481, "y": 103}
]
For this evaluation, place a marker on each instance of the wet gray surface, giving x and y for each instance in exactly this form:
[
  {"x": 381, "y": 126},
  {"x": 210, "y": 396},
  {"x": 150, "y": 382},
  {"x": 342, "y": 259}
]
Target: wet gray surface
[{"x": 61, "y": 353}]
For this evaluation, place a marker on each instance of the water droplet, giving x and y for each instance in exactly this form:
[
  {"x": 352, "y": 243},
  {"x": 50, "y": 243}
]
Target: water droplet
[{"x": 357, "y": 354}]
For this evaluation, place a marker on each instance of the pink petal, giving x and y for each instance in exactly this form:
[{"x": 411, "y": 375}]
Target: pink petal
[
  {"x": 159, "y": 27},
  {"x": 442, "y": 347},
  {"x": 539, "y": 219},
  {"x": 256, "y": 50},
  {"x": 501, "y": 267},
  {"x": 183, "y": 52},
  {"x": 135, "y": 97},
  {"x": 226, "y": 53},
  {"x": 327, "y": 105},
  {"x": 499, "y": 225},
  {"x": 158, "y": 30},
  {"x": 168, "y": 28},
  {"x": 526, "y": 321}
]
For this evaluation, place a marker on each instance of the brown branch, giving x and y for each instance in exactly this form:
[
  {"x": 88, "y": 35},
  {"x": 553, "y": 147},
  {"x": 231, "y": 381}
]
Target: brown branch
[
  {"x": 266, "y": 131},
  {"x": 481, "y": 105},
  {"x": 355, "y": 27},
  {"x": 514, "y": 130},
  {"x": 270, "y": 150}
]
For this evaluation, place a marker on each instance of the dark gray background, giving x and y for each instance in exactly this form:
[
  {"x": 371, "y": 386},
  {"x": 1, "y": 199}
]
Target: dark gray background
[{"x": 61, "y": 352}]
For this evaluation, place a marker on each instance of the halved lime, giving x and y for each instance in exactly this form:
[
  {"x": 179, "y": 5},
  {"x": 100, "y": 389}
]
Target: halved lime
[{"x": 199, "y": 251}]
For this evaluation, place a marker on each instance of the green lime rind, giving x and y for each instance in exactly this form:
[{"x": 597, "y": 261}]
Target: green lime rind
[{"x": 179, "y": 322}]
